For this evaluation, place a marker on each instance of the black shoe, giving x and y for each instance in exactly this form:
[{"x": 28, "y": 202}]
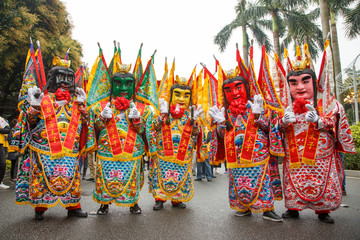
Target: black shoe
[
  {"x": 198, "y": 179},
  {"x": 325, "y": 217},
  {"x": 104, "y": 209},
  {"x": 39, "y": 215},
  {"x": 135, "y": 209},
  {"x": 272, "y": 216},
  {"x": 209, "y": 180},
  {"x": 158, "y": 205},
  {"x": 291, "y": 214},
  {"x": 90, "y": 179},
  {"x": 243, "y": 214},
  {"x": 77, "y": 213},
  {"x": 214, "y": 176},
  {"x": 179, "y": 205},
  {"x": 83, "y": 177}
]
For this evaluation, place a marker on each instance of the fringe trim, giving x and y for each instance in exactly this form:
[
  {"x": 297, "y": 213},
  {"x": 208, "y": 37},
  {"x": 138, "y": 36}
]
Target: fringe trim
[
  {"x": 308, "y": 161},
  {"x": 250, "y": 164},
  {"x": 56, "y": 155}
]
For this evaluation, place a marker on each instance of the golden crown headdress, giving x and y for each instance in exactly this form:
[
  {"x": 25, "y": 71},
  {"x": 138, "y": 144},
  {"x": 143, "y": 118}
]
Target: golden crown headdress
[
  {"x": 122, "y": 68},
  {"x": 300, "y": 64},
  {"x": 61, "y": 62}
]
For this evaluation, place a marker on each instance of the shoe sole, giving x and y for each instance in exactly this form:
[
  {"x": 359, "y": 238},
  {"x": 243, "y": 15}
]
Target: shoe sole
[
  {"x": 243, "y": 215},
  {"x": 272, "y": 219}
]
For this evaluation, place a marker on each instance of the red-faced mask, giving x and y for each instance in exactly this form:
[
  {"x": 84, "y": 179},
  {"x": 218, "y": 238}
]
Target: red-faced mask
[{"x": 235, "y": 91}]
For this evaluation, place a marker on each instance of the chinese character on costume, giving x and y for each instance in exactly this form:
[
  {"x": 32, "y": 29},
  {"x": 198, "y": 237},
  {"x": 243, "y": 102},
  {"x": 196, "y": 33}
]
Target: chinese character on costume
[
  {"x": 315, "y": 131},
  {"x": 118, "y": 129},
  {"x": 176, "y": 134},
  {"x": 48, "y": 135},
  {"x": 251, "y": 137}
]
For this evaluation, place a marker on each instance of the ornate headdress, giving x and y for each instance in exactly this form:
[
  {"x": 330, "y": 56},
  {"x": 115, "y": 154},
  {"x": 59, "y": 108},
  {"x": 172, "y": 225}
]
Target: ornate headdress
[{"x": 61, "y": 62}]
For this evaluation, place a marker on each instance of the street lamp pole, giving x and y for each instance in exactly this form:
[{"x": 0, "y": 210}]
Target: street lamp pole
[{"x": 355, "y": 92}]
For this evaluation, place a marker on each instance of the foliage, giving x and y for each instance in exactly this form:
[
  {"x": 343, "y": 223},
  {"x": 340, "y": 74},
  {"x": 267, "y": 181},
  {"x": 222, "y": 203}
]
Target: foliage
[
  {"x": 43, "y": 20},
  {"x": 352, "y": 161},
  {"x": 352, "y": 22}
]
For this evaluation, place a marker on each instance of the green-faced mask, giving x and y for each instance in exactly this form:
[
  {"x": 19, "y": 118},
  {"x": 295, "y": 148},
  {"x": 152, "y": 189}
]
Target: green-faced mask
[{"x": 123, "y": 87}]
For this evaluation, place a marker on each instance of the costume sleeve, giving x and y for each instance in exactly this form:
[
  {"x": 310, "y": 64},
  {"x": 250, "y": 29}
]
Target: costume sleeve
[
  {"x": 345, "y": 142},
  {"x": 149, "y": 116}
]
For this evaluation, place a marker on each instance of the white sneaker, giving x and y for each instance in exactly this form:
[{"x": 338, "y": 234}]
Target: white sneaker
[{"x": 3, "y": 186}]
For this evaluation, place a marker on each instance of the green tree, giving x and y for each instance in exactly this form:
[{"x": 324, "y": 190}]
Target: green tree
[
  {"x": 289, "y": 21},
  {"x": 245, "y": 23},
  {"x": 352, "y": 21},
  {"x": 43, "y": 20}
]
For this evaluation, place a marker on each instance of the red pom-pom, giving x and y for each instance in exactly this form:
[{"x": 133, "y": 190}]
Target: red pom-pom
[
  {"x": 176, "y": 114},
  {"x": 238, "y": 106},
  {"x": 299, "y": 106},
  {"x": 62, "y": 95},
  {"x": 122, "y": 103}
]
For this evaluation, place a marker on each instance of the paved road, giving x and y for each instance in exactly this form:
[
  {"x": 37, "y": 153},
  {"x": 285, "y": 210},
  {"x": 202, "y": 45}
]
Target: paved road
[{"x": 207, "y": 216}]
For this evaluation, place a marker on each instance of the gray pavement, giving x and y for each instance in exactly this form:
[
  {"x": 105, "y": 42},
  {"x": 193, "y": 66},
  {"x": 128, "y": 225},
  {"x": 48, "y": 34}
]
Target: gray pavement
[{"x": 207, "y": 216}]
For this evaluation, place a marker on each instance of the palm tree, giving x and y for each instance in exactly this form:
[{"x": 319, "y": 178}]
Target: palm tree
[
  {"x": 352, "y": 21},
  {"x": 222, "y": 38},
  {"x": 289, "y": 21}
]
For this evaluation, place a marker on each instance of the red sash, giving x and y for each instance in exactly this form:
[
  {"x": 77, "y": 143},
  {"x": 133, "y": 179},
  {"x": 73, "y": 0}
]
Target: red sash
[
  {"x": 291, "y": 141},
  {"x": 248, "y": 145},
  {"x": 167, "y": 140},
  {"x": 184, "y": 141},
  {"x": 115, "y": 143},
  {"x": 230, "y": 147},
  {"x": 73, "y": 126},
  {"x": 51, "y": 126},
  {"x": 311, "y": 145},
  {"x": 131, "y": 134}
]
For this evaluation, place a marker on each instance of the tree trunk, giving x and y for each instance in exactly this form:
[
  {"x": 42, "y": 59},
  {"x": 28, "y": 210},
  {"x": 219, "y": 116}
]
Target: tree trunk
[
  {"x": 335, "y": 52},
  {"x": 324, "y": 15},
  {"x": 276, "y": 36},
  {"x": 245, "y": 46}
]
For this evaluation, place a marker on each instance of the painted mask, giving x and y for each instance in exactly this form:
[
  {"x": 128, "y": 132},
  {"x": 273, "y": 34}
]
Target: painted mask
[
  {"x": 181, "y": 97},
  {"x": 123, "y": 87},
  {"x": 301, "y": 86},
  {"x": 235, "y": 91}
]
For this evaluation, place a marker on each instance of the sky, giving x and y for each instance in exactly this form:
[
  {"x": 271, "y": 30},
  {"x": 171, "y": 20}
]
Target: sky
[{"x": 183, "y": 30}]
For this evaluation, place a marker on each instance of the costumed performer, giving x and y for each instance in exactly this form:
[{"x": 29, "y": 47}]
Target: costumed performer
[
  {"x": 245, "y": 127},
  {"x": 315, "y": 130},
  {"x": 176, "y": 134},
  {"x": 116, "y": 129},
  {"x": 48, "y": 134}
]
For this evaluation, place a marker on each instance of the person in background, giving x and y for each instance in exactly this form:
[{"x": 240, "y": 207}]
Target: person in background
[{"x": 4, "y": 129}]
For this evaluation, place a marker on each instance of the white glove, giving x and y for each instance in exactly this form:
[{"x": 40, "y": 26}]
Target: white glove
[
  {"x": 35, "y": 101},
  {"x": 289, "y": 116},
  {"x": 198, "y": 112},
  {"x": 311, "y": 115},
  {"x": 80, "y": 95},
  {"x": 217, "y": 115},
  {"x": 134, "y": 113},
  {"x": 107, "y": 112},
  {"x": 164, "y": 107},
  {"x": 257, "y": 107}
]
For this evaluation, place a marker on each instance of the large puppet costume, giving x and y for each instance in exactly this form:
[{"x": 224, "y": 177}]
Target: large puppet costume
[
  {"x": 117, "y": 130},
  {"x": 48, "y": 134},
  {"x": 176, "y": 134},
  {"x": 246, "y": 127},
  {"x": 315, "y": 129}
]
